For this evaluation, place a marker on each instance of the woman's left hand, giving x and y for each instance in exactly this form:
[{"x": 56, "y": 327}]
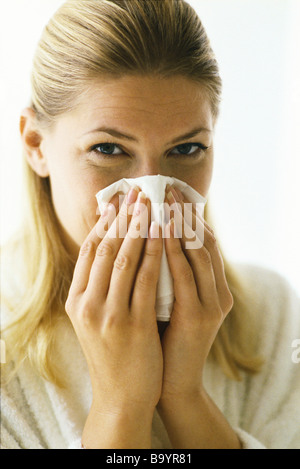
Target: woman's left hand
[{"x": 202, "y": 301}]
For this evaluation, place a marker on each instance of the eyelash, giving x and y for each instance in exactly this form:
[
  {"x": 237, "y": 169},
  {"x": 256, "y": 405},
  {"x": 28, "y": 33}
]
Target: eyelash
[{"x": 201, "y": 148}]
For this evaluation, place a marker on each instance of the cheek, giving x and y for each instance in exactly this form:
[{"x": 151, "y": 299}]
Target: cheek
[
  {"x": 203, "y": 182},
  {"x": 75, "y": 208},
  {"x": 73, "y": 189},
  {"x": 199, "y": 178},
  {"x": 73, "y": 194}
]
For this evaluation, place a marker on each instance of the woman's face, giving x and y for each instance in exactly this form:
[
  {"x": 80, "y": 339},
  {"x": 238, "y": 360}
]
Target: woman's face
[{"x": 127, "y": 127}]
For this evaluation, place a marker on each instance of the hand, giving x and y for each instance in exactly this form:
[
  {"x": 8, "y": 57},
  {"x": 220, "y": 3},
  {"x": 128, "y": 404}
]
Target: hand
[
  {"x": 111, "y": 304},
  {"x": 202, "y": 301}
]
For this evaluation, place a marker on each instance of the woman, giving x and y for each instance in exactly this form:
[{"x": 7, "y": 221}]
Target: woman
[{"x": 123, "y": 89}]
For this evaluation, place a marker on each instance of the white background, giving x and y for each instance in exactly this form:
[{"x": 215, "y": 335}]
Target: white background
[{"x": 256, "y": 189}]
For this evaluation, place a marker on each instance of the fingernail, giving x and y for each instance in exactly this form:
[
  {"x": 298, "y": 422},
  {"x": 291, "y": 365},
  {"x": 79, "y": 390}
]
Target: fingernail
[
  {"x": 108, "y": 210},
  {"x": 86, "y": 248},
  {"x": 169, "y": 229},
  {"x": 132, "y": 194},
  {"x": 174, "y": 192},
  {"x": 154, "y": 230},
  {"x": 140, "y": 204},
  {"x": 141, "y": 197},
  {"x": 178, "y": 193},
  {"x": 170, "y": 197},
  {"x": 172, "y": 225},
  {"x": 104, "y": 212}
]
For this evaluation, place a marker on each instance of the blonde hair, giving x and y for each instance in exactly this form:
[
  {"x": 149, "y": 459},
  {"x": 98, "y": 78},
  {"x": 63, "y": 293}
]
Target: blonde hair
[{"x": 82, "y": 41}]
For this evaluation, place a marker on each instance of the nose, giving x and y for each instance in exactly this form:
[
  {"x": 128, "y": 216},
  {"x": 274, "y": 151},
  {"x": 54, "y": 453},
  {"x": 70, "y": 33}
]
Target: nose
[{"x": 149, "y": 167}]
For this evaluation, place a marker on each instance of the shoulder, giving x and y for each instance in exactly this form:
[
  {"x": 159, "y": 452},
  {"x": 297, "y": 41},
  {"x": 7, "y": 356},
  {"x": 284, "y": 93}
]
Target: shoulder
[
  {"x": 274, "y": 304},
  {"x": 267, "y": 288},
  {"x": 270, "y": 409}
]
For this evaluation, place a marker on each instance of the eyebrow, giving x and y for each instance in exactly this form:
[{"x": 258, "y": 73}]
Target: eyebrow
[{"x": 117, "y": 134}]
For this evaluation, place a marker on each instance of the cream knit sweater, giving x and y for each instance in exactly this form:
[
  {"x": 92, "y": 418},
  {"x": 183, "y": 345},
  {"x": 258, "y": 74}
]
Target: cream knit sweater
[{"x": 263, "y": 409}]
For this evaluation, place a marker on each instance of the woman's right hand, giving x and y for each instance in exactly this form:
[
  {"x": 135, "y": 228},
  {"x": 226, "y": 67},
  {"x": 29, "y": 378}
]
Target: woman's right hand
[{"x": 111, "y": 304}]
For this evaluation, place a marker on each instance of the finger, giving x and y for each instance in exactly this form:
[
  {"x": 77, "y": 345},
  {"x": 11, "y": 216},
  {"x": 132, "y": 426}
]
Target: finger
[
  {"x": 224, "y": 294},
  {"x": 128, "y": 258},
  {"x": 189, "y": 210},
  {"x": 184, "y": 222},
  {"x": 115, "y": 200},
  {"x": 87, "y": 251},
  {"x": 185, "y": 289},
  {"x": 197, "y": 254},
  {"x": 83, "y": 266},
  {"x": 145, "y": 287},
  {"x": 206, "y": 235},
  {"x": 108, "y": 248},
  {"x": 109, "y": 213}
]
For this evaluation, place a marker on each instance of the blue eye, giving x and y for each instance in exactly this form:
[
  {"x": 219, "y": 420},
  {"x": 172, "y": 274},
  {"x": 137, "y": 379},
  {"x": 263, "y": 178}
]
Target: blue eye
[
  {"x": 191, "y": 150},
  {"x": 185, "y": 149},
  {"x": 107, "y": 149}
]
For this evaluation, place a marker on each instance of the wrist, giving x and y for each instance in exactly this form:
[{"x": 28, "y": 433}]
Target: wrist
[
  {"x": 181, "y": 400},
  {"x": 194, "y": 421},
  {"x": 119, "y": 427}
]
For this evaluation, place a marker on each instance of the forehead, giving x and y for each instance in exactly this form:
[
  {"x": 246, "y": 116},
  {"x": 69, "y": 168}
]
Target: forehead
[{"x": 143, "y": 103}]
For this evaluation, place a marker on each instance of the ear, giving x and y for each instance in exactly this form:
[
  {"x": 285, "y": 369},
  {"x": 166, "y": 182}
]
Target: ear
[{"x": 31, "y": 137}]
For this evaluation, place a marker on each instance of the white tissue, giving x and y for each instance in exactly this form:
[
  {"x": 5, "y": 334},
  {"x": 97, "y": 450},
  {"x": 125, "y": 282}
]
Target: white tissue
[{"x": 154, "y": 188}]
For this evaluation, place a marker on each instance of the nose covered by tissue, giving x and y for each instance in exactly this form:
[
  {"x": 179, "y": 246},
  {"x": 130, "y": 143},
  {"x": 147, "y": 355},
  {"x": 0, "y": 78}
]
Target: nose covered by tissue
[{"x": 154, "y": 188}]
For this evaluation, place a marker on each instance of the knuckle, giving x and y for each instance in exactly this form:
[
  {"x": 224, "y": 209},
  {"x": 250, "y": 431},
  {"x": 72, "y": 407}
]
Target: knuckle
[
  {"x": 176, "y": 249},
  {"x": 215, "y": 316},
  {"x": 81, "y": 313},
  {"x": 228, "y": 302},
  {"x": 86, "y": 314},
  {"x": 122, "y": 262},
  {"x": 124, "y": 212},
  {"x": 86, "y": 248},
  {"x": 211, "y": 239},
  {"x": 145, "y": 279},
  {"x": 219, "y": 314},
  {"x": 153, "y": 251},
  {"x": 204, "y": 256},
  {"x": 186, "y": 274},
  {"x": 109, "y": 322},
  {"x": 105, "y": 249}
]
